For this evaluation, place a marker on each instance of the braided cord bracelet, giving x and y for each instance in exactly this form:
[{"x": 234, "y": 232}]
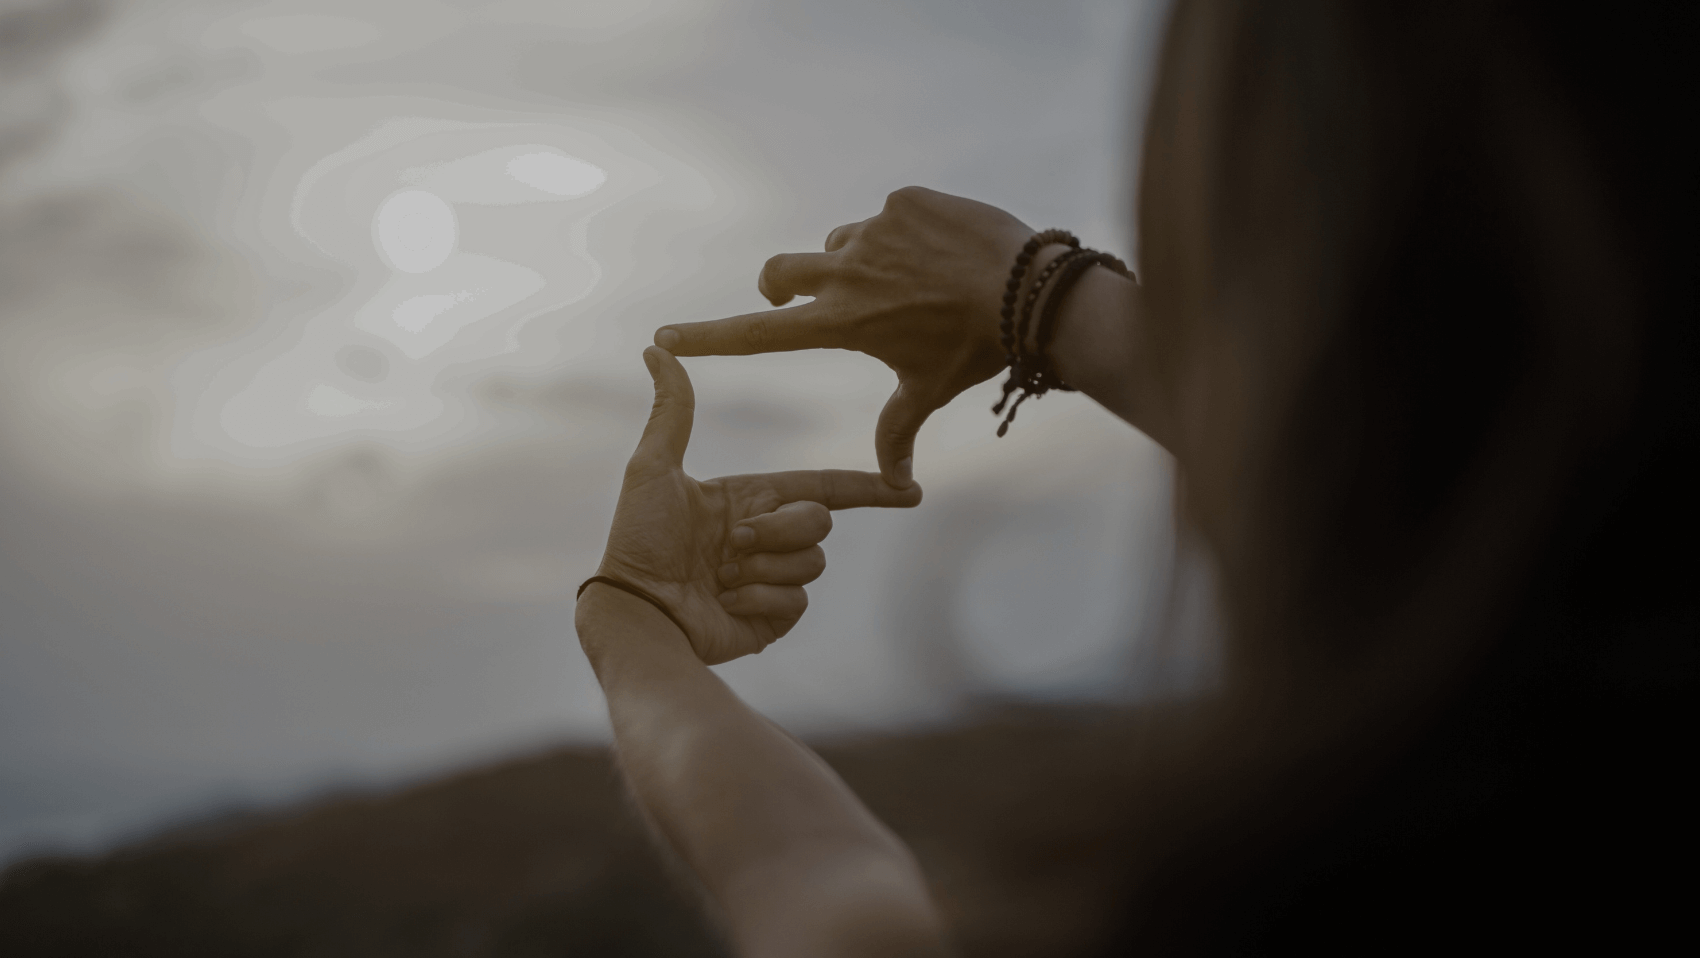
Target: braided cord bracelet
[
  {"x": 1012, "y": 290},
  {"x": 1022, "y": 364},
  {"x": 1026, "y": 321},
  {"x": 1045, "y": 375},
  {"x": 1031, "y": 372}
]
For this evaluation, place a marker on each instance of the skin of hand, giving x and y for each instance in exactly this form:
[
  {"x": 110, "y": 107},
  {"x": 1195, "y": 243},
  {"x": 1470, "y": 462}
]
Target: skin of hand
[
  {"x": 918, "y": 287},
  {"x": 729, "y": 556}
]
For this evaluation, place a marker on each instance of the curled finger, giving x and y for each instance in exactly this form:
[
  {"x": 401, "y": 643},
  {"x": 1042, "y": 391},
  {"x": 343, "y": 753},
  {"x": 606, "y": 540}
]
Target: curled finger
[
  {"x": 839, "y": 237},
  {"x": 776, "y": 568},
  {"x": 781, "y": 626},
  {"x": 780, "y": 602},
  {"x": 794, "y": 274}
]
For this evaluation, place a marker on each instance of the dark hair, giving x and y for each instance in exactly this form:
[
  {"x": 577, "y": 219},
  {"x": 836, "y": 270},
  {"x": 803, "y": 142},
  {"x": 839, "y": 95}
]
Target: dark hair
[{"x": 1420, "y": 277}]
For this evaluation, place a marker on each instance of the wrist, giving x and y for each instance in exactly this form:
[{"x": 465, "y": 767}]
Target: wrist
[
  {"x": 615, "y": 627},
  {"x": 1049, "y": 267},
  {"x": 1092, "y": 338}
]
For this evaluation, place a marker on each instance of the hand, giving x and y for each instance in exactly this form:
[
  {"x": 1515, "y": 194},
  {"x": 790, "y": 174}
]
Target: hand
[
  {"x": 730, "y": 556},
  {"x": 918, "y": 287}
]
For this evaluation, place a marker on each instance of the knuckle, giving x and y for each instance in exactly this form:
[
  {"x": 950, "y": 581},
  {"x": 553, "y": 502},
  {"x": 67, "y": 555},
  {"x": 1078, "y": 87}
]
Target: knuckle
[
  {"x": 758, "y": 333},
  {"x": 821, "y": 518},
  {"x": 749, "y": 570},
  {"x": 894, "y": 434},
  {"x": 906, "y": 196}
]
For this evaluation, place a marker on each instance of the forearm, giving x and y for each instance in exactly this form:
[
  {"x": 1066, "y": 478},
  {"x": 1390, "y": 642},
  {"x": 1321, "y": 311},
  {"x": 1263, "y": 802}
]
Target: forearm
[
  {"x": 1098, "y": 346},
  {"x": 781, "y": 844}
]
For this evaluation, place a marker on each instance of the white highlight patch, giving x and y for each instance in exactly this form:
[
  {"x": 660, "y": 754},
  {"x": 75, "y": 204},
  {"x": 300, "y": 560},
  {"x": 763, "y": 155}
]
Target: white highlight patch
[
  {"x": 421, "y": 315},
  {"x": 327, "y": 400},
  {"x": 310, "y": 33},
  {"x": 416, "y": 231},
  {"x": 416, "y": 313},
  {"x": 428, "y": 294},
  {"x": 509, "y": 175},
  {"x": 557, "y": 174}
]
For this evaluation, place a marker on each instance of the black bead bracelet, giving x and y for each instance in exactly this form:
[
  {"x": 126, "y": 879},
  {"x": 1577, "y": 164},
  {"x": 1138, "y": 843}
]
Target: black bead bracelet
[
  {"x": 1031, "y": 372},
  {"x": 1012, "y": 292}
]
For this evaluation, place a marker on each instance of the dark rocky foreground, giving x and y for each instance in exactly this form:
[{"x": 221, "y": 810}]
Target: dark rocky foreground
[{"x": 546, "y": 856}]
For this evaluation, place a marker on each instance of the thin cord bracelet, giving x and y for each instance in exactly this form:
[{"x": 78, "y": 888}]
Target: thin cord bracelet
[
  {"x": 631, "y": 590},
  {"x": 1023, "y": 365},
  {"x": 1044, "y": 376},
  {"x": 1020, "y": 363}
]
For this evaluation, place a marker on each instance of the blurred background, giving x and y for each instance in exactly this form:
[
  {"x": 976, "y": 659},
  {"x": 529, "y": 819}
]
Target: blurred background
[{"x": 320, "y": 328}]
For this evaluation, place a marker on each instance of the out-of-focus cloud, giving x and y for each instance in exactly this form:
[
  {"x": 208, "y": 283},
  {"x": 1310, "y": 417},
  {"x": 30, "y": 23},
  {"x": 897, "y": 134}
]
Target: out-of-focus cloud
[{"x": 281, "y": 506}]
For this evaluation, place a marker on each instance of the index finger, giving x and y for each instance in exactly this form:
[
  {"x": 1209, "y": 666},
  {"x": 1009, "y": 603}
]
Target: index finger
[
  {"x": 770, "y": 331},
  {"x": 842, "y": 489}
]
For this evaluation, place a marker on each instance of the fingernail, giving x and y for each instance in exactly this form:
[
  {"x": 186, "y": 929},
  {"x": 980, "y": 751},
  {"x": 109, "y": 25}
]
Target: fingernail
[
  {"x": 728, "y": 597},
  {"x": 905, "y": 470},
  {"x": 729, "y": 572},
  {"x": 654, "y": 364},
  {"x": 743, "y": 536},
  {"x": 667, "y": 339}
]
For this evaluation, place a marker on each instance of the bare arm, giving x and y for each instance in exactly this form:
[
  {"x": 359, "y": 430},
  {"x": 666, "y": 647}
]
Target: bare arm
[
  {"x": 1097, "y": 349},
  {"x": 798, "y": 865},
  {"x": 796, "y": 862}
]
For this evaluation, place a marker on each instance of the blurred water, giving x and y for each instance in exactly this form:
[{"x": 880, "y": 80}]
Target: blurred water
[{"x": 320, "y": 324}]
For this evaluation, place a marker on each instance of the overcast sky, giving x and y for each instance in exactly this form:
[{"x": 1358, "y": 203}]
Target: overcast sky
[{"x": 319, "y": 327}]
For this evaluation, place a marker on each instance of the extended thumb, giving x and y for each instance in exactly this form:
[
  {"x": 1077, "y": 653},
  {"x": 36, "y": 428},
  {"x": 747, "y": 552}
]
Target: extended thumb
[
  {"x": 894, "y": 435},
  {"x": 669, "y": 429}
]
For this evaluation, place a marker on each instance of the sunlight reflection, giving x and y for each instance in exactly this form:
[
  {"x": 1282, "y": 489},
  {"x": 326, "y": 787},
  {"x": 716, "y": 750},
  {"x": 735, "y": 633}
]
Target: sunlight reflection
[
  {"x": 460, "y": 233},
  {"x": 557, "y": 174},
  {"x": 416, "y": 230}
]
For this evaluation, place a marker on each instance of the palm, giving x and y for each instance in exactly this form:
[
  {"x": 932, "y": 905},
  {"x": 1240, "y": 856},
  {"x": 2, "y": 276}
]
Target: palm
[
  {"x": 672, "y": 534},
  {"x": 677, "y": 536}
]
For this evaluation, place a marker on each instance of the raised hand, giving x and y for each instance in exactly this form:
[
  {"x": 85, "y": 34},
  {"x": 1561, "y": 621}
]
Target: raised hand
[
  {"x": 729, "y": 556},
  {"x": 917, "y": 287}
]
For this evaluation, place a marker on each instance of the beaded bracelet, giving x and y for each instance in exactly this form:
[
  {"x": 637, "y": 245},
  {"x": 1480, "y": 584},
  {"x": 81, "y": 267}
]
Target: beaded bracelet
[
  {"x": 1012, "y": 290},
  {"x": 1025, "y": 366},
  {"x": 1033, "y": 292},
  {"x": 1032, "y": 372}
]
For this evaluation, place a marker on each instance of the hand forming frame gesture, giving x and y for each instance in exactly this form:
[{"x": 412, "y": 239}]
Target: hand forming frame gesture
[
  {"x": 917, "y": 287},
  {"x": 729, "y": 556}
]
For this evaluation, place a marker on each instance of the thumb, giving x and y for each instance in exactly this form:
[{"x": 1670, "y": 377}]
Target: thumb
[
  {"x": 894, "y": 436},
  {"x": 668, "y": 431}
]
